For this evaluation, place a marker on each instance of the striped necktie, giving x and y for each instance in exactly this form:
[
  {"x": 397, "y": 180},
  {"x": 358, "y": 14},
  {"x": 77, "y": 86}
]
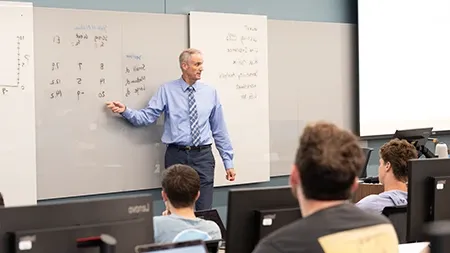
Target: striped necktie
[{"x": 193, "y": 117}]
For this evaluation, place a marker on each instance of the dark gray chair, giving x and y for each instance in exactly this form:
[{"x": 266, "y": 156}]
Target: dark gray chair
[{"x": 398, "y": 217}]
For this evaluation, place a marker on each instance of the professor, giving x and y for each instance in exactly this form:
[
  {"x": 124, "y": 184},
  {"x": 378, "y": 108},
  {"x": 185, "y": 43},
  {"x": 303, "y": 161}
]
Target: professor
[{"x": 193, "y": 117}]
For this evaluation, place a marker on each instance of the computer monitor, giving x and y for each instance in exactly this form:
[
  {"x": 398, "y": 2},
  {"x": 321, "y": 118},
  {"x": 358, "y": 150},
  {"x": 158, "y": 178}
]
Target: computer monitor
[
  {"x": 367, "y": 153},
  {"x": 417, "y": 137},
  {"x": 196, "y": 246},
  {"x": 428, "y": 194},
  {"x": 242, "y": 218},
  {"x": 65, "y": 227},
  {"x": 271, "y": 220},
  {"x": 212, "y": 215}
]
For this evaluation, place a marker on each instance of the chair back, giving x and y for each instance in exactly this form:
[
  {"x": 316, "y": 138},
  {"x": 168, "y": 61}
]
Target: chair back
[{"x": 398, "y": 217}]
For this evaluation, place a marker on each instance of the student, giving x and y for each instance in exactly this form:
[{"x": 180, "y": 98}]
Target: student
[
  {"x": 324, "y": 175},
  {"x": 393, "y": 174},
  {"x": 180, "y": 191}
]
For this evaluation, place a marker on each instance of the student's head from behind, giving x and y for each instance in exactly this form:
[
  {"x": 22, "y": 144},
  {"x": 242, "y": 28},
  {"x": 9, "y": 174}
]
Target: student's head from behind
[
  {"x": 180, "y": 186},
  {"x": 394, "y": 156},
  {"x": 327, "y": 163}
]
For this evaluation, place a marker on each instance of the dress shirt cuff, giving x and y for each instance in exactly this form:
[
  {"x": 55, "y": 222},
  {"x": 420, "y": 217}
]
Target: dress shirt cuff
[
  {"x": 228, "y": 164},
  {"x": 126, "y": 113}
]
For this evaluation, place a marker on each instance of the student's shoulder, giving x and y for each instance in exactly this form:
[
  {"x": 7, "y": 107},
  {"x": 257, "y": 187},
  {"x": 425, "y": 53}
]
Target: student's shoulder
[
  {"x": 368, "y": 199},
  {"x": 210, "y": 224},
  {"x": 372, "y": 203},
  {"x": 370, "y": 215},
  {"x": 211, "y": 228}
]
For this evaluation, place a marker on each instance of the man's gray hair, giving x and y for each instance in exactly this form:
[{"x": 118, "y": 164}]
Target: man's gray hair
[{"x": 185, "y": 56}]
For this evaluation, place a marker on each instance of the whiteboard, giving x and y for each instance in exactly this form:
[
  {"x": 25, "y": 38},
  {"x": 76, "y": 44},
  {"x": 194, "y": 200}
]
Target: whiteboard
[
  {"x": 83, "y": 62},
  {"x": 316, "y": 77},
  {"x": 17, "y": 131},
  {"x": 234, "y": 47}
]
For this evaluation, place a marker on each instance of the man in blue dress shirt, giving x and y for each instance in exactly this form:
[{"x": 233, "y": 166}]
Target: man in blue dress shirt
[{"x": 193, "y": 119}]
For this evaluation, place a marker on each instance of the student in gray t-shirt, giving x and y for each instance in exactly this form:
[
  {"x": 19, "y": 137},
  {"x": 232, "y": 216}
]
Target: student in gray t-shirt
[
  {"x": 393, "y": 174},
  {"x": 324, "y": 175},
  {"x": 180, "y": 190}
]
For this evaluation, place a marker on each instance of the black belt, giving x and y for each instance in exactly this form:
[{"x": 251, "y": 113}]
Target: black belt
[{"x": 187, "y": 148}]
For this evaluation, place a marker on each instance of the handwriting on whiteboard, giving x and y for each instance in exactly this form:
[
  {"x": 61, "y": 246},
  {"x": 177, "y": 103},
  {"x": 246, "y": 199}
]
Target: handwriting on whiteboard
[
  {"x": 22, "y": 61},
  {"x": 135, "y": 75},
  {"x": 70, "y": 79},
  {"x": 242, "y": 73}
]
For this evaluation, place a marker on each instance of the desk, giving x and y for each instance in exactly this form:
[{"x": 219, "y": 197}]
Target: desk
[
  {"x": 365, "y": 190},
  {"x": 417, "y": 247}
]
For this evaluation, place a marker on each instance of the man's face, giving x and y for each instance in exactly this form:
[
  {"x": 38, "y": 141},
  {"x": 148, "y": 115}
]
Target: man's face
[{"x": 193, "y": 67}]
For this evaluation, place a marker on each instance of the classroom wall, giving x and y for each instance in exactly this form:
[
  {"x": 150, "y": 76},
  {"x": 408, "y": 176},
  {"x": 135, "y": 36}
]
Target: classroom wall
[{"x": 340, "y": 11}]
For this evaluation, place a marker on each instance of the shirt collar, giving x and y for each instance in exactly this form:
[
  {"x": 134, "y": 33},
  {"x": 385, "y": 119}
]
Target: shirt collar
[{"x": 185, "y": 86}]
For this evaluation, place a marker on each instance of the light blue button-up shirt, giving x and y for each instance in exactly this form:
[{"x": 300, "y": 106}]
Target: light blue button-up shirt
[{"x": 172, "y": 99}]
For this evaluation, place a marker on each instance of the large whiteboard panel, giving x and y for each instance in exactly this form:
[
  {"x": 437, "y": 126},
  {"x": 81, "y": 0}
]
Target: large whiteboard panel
[
  {"x": 235, "y": 54},
  {"x": 17, "y": 131},
  {"x": 283, "y": 96},
  {"x": 327, "y": 73},
  {"x": 85, "y": 59},
  {"x": 312, "y": 77}
]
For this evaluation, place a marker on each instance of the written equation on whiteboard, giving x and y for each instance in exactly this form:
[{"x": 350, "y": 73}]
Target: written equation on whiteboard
[
  {"x": 242, "y": 66},
  {"x": 17, "y": 59},
  {"x": 85, "y": 74}
]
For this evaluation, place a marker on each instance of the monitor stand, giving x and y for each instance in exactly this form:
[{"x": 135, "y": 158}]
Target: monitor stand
[{"x": 425, "y": 151}]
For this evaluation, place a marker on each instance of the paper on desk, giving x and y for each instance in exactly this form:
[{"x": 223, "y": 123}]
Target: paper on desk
[{"x": 418, "y": 247}]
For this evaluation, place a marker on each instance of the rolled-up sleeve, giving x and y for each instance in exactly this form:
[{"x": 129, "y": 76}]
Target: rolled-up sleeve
[{"x": 150, "y": 113}]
